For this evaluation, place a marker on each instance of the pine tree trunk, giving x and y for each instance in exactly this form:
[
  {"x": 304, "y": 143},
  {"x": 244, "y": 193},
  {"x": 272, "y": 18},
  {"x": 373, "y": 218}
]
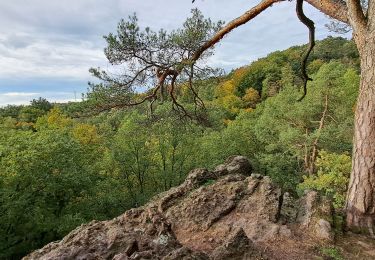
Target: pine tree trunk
[{"x": 360, "y": 205}]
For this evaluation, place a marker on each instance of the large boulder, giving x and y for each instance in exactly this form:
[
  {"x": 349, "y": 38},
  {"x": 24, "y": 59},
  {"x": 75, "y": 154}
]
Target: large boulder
[{"x": 227, "y": 213}]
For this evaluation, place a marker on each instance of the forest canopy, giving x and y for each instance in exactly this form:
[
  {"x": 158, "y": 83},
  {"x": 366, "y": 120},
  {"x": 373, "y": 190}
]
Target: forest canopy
[{"x": 58, "y": 170}]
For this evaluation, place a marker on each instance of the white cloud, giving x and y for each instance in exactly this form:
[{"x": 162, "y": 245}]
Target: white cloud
[
  {"x": 56, "y": 40},
  {"x": 16, "y": 98},
  {"x": 42, "y": 58},
  {"x": 19, "y": 94},
  {"x": 24, "y": 98}
]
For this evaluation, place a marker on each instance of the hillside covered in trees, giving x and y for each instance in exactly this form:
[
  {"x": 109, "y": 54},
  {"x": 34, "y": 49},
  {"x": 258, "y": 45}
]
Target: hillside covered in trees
[{"x": 61, "y": 166}]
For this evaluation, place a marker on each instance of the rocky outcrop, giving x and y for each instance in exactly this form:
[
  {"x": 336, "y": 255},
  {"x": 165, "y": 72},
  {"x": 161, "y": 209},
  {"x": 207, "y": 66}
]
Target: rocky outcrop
[
  {"x": 227, "y": 213},
  {"x": 316, "y": 216},
  {"x": 237, "y": 246}
]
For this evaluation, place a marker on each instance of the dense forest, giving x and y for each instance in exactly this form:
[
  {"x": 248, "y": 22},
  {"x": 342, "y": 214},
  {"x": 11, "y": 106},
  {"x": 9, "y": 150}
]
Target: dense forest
[{"x": 60, "y": 168}]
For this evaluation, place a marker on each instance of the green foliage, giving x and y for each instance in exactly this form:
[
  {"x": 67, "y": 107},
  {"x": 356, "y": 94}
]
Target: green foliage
[
  {"x": 41, "y": 104},
  {"x": 48, "y": 181},
  {"x": 209, "y": 182},
  {"x": 27, "y": 114},
  {"x": 144, "y": 54},
  {"x": 332, "y": 253},
  {"x": 57, "y": 172},
  {"x": 279, "y": 69},
  {"x": 335, "y": 48},
  {"x": 30, "y": 114},
  {"x": 332, "y": 178},
  {"x": 253, "y": 78},
  {"x": 43, "y": 175},
  {"x": 8, "y": 123},
  {"x": 10, "y": 111},
  {"x": 195, "y": 31},
  {"x": 339, "y": 223},
  {"x": 152, "y": 156},
  {"x": 131, "y": 153}
]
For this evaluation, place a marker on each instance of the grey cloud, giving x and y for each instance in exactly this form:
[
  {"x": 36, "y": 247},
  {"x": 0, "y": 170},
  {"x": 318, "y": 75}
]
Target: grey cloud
[
  {"x": 62, "y": 39},
  {"x": 24, "y": 98},
  {"x": 16, "y": 41}
]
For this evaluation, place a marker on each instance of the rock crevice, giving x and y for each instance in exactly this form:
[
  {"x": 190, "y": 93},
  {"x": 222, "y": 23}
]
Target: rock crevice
[{"x": 227, "y": 213}]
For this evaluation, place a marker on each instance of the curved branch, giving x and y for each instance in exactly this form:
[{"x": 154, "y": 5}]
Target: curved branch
[
  {"x": 122, "y": 105},
  {"x": 310, "y": 25},
  {"x": 197, "y": 100},
  {"x": 152, "y": 96},
  {"x": 336, "y": 9},
  {"x": 174, "y": 100},
  {"x": 151, "y": 106},
  {"x": 247, "y": 16}
]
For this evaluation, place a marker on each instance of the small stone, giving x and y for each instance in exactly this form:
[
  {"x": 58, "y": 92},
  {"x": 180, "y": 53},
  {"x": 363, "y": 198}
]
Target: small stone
[
  {"x": 324, "y": 230},
  {"x": 161, "y": 240},
  {"x": 274, "y": 231},
  {"x": 363, "y": 244},
  {"x": 285, "y": 231},
  {"x": 120, "y": 257},
  {"x": 256, "y": 175}
]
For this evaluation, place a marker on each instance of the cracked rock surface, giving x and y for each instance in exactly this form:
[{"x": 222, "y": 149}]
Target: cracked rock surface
[{"x": 227, "y": 213}]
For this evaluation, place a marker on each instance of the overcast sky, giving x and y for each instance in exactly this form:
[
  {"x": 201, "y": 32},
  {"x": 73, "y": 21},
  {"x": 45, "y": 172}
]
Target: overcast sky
[{"x": 47, "y": 46}]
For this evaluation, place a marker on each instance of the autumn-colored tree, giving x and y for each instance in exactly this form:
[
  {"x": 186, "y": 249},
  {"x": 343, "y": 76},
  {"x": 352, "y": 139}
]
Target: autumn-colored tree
[
  {"x": 227, "y": 98},
  {"x": 133, "y": 45},
  {"x": 251, "y": 97},
  {"x": 360, "y": 204}
]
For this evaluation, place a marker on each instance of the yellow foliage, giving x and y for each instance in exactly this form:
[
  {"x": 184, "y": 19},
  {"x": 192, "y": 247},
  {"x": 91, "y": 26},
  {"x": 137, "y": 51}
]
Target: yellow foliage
[
  {"x": 232, "y": 103},
  {"x": 251, "y": 97},
  {"x": 239, "y": 74},
  {"x": 24, "y": 125},
  {"x": 226, "y": 97},
  {"x": 55, "y": 119},
  {"x": 85, "y": 134},
  {"x": 58, "y": 119},
  {"x": 227, "y": 121},
  {"x": 225, "y": 89},
  {"x": 183, "y": 88},
  {"x": 248, "y": 110}
]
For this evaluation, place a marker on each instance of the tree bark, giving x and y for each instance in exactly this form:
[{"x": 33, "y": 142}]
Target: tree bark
[
  {"x": 336, "y": 9},
  {"x": 360, "y": 205}
]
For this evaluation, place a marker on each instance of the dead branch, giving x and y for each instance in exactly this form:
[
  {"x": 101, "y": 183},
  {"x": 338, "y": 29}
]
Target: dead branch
[
  {"x": 197, "y": 100},
  {"x": 174, "y": 100},
  {"x": 314, "y": 152}
]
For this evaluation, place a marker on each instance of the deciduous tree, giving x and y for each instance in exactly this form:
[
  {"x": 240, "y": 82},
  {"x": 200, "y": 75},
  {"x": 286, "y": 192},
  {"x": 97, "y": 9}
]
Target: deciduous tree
[
  {"x": 360, "y": 204},
  {"x": 166, "y": 59}
]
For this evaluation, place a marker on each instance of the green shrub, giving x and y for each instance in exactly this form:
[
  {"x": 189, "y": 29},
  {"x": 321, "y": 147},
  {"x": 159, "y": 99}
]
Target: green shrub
[
  {"x": 332, "y": 177},
  {"x": 332, "y": 253}
]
